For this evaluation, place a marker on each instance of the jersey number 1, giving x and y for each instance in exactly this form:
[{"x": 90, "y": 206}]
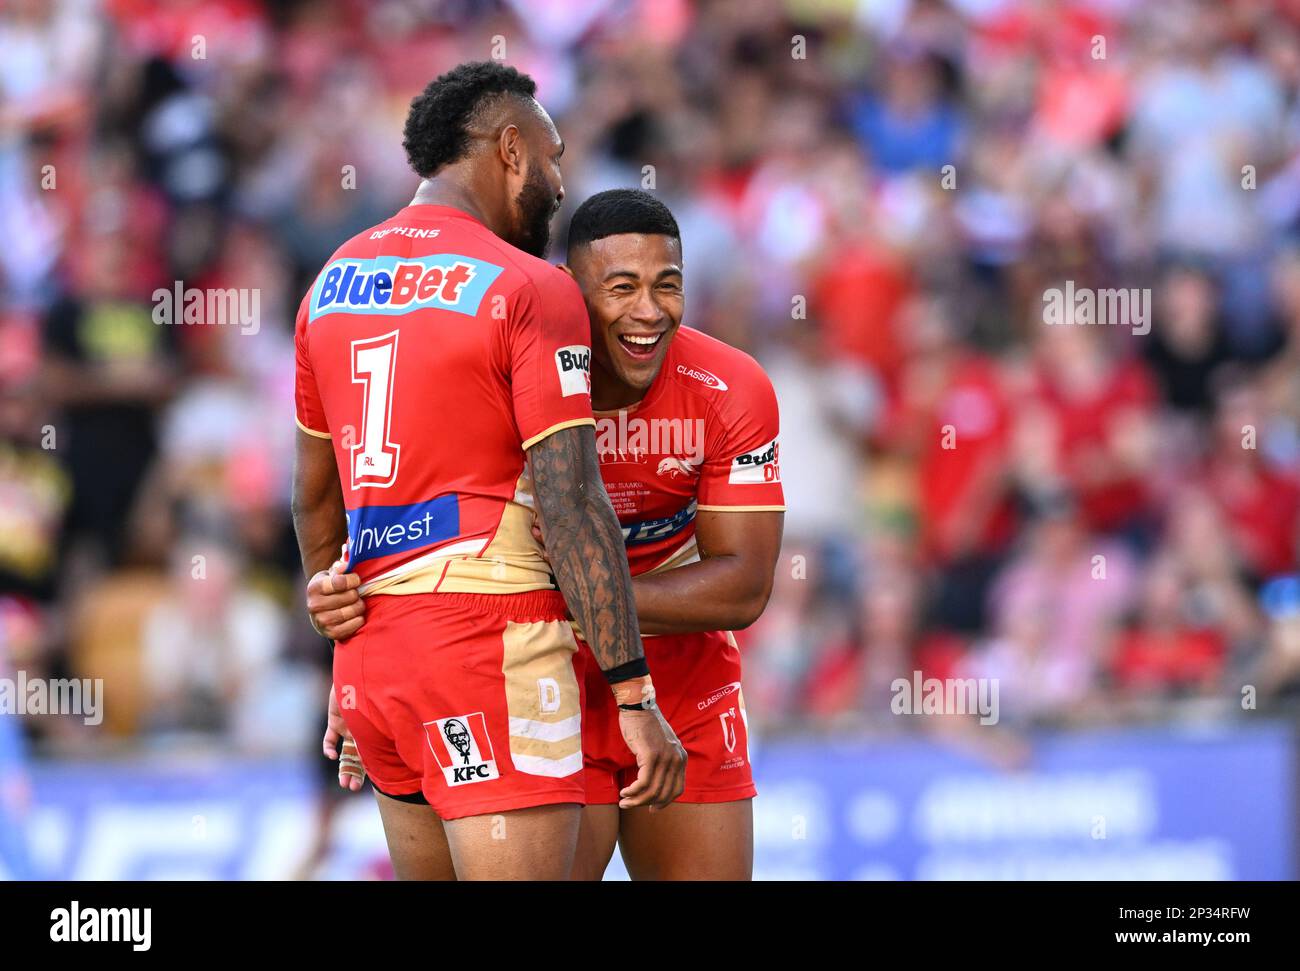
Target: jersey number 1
[{"x": 374, "y": 458}]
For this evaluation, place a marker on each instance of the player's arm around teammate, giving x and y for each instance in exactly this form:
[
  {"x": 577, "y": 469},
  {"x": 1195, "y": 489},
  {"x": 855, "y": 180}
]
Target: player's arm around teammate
[
  {"x": 583, "y": 540},
  {"x": 585, "y": 548},
  {"x": 730, "y": 586},
  {"x": 581, "y": 535}
]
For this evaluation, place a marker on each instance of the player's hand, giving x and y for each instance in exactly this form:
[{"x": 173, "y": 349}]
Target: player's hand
[
  {"x": 537, "y": 534},
  {"x": 336, "y": 608},
  {"x": 660, "y": 760},
  {"x": 351, "y": 772}
]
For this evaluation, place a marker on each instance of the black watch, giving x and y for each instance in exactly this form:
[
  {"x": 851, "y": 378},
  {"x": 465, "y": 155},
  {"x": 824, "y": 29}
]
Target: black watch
[{"x": 647, "y": 705}]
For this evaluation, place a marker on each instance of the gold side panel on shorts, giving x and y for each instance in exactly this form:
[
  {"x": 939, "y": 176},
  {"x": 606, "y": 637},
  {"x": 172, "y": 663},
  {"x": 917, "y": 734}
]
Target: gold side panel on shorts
[
  {"x": 542, "y": 698},
  {"x": 513, "y": 562}
]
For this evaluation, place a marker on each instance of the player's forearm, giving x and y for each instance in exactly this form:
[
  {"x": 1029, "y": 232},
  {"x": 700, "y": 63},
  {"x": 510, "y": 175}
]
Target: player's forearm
[
  {"x": 321, "y": 534},
  {"x": 319, "y": 519},
  {"x": 720, "y": 593},
  {"x": 585, "y": 544}
]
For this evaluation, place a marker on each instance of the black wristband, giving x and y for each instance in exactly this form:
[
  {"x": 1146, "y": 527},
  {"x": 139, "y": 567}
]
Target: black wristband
[{"x": 637, "y": 668}]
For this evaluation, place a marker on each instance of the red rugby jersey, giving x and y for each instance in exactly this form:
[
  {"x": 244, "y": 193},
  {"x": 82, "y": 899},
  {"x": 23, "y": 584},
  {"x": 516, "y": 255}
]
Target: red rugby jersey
[
  {"x": 433, "y": 354},
  {"x": 705, "y": 436}
]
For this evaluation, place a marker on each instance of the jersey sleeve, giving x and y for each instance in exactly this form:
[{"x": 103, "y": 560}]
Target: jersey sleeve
[
  {"x": 309, "y": 411},
  {"x": 742, "y": 465},
  {"x": 549, "y": 342}
]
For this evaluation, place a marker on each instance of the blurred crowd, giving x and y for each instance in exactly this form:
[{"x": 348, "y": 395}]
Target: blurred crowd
[{"x": 874, "y": 196}]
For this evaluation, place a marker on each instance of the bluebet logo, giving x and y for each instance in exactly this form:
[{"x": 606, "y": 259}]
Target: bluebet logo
[
  {"x": 375, "y": 531},
  {"x": 399, "y": 284}
]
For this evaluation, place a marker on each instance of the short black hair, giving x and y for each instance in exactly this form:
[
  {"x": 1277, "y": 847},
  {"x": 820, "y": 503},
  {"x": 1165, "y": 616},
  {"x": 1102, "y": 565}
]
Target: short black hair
[
  {"x": 437, "y": 127},
  {"x": 617, "y": 211}
]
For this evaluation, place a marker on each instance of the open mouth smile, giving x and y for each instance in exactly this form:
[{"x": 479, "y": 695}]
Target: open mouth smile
[{"x": 640, "y": 346}]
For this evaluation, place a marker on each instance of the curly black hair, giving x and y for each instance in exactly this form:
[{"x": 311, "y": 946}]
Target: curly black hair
[
  {"x": 617, "y": 211},
  {"x": 436, "y": 131}
]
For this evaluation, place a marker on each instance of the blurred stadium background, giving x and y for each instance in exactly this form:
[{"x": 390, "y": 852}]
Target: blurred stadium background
[{"x": 1147, "y": 711}]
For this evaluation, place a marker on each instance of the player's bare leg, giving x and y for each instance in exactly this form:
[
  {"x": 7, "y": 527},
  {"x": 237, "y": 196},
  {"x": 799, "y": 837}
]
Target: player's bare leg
[
  {"x": 690, "y": 841},
  {"x": 537, "y": 843},
  {"x": 597, "y": 838},
  {"x": 416, "y": 841}
]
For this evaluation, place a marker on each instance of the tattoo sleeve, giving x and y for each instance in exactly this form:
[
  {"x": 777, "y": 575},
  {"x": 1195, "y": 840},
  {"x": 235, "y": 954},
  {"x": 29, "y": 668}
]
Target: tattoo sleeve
[{"x": 585, "y": 544}]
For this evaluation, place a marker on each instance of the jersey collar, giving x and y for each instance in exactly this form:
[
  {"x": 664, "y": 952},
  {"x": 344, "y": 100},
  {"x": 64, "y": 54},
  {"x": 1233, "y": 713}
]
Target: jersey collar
[{"x": 429, "y": 210}]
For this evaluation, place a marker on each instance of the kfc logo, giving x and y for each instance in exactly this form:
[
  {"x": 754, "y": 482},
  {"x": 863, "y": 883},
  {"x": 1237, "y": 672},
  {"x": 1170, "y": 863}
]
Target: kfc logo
[{"x": 459, "y": 745}]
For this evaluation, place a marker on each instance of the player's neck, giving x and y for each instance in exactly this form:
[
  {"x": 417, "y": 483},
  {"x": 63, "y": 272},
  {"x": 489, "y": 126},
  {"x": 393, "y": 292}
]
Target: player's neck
[
  {"x": 454, "y": 194},
  {"x": 608, "y": 393}
]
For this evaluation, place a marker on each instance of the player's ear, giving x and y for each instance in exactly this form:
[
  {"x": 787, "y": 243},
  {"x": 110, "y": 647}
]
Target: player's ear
[
  {"x": 567, "y": 269},
  {"x": 510, "y": 148}
]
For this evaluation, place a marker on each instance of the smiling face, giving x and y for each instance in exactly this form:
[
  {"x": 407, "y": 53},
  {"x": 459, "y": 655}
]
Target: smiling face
[{"x": 633, "y": 287}]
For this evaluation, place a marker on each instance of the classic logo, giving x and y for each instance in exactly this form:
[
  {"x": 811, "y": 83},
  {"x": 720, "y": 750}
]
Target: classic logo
[
  {"x": 722, "y": 692},
  {"x": 757, "y": 467},
  {"x": 699, "y": 374},
  {"x": 574, "y": 366},
  {"x": 458, "y": 745}
]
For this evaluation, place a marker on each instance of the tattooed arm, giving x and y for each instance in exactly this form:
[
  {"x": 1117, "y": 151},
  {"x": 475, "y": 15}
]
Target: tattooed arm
[{"x": 585, "y": 546}]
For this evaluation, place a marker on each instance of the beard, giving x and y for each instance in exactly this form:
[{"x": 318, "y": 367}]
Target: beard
[{"x": 535, "y": 205}]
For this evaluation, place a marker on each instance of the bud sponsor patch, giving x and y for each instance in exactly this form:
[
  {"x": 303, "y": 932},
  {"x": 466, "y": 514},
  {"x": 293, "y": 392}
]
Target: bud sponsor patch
[
  {"x": 462, "y": 749},
  {"x": 574, "y": 366},
  {"x": 757, "y": 467}
]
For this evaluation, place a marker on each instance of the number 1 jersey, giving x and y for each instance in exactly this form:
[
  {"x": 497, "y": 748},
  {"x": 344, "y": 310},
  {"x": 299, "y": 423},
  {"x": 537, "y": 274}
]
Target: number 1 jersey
[{"x": 432, "y": 355}]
